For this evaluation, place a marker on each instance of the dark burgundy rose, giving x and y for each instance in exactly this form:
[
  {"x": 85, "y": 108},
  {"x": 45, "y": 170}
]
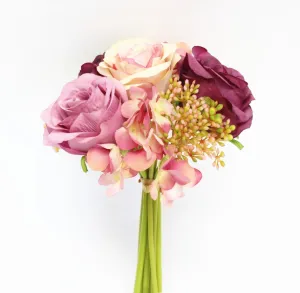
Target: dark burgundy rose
[
  {"x": 223, "y": 84},
  {"x": 91, "y": 67}
]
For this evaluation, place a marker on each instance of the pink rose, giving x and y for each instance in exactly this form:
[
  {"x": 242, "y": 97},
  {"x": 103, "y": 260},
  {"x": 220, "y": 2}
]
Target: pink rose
[{"x": 87, "y": 113}]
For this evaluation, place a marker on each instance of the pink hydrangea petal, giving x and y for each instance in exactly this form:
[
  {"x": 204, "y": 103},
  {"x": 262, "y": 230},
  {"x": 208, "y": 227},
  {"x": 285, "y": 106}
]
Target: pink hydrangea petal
[
  {"x": 173, "y": 194},
  {"x": 98, "y": 158},
  {"x": 130, "y": 107},
  {"x": 137, "y": 160},
  {"x": 124, "y": 140},
  {"x": 137, "y": 134},
  {"x": 197, "y": 178},
  {"x": 158, "y": 108},
  {"x": 129, "y": 173},
  {"x": 165, "y": 180},
  {"x": 179, "y": 177},
  {"x": 107, "y": 179},
  {"x": 165, "y": 106},
  {"x": 154, "y": 190},
  {"x": 113, "y": 189},
  {"x": 115, "y": 159},
  {"x": 137, "y": 93},
  {"x": 169, "y": 150},
  {"x": 177, "y": 167}
]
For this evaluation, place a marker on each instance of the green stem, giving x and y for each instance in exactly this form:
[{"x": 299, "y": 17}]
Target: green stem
[
  {"x": 141, "y": 221},
  {"x": 147, "y": 272},
  {"x": 152, "y": 247},
  {"x": 143, "y": 174},
  {"x": 158, "y": 246},
  {"x": 148, "y": 275},
  {"x": 142, "y": 246}
]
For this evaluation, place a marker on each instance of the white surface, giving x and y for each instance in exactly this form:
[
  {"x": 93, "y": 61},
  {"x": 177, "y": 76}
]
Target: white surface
[{"x": 238, "y": 231}]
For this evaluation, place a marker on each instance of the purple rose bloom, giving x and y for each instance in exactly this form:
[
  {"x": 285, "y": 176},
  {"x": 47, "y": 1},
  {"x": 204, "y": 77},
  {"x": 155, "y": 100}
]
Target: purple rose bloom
[
  {"x": 91, "y": 67},
  {"x": 223, "y": 84}
]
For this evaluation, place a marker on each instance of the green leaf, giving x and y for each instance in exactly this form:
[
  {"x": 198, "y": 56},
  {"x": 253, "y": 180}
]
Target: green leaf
[
  {"x": 237, "y": 144},
  {"x": 83, "y": 164}
]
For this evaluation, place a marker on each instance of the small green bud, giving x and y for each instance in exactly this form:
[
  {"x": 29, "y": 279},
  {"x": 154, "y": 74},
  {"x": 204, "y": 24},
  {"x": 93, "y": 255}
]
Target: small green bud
[
  {"x": 208, "y": 100},
  {"x": 229, "y": 137},
  {"x": 237, "y": 144},
  {"x": 194, "y": 159},
  {"x": 212, "y": 111},
  {"x": 218, "y": 118},
  {"x": 219, "y": 107},
  {"x": 203, "y": 133},
  {"x": 83, "y": 164}
]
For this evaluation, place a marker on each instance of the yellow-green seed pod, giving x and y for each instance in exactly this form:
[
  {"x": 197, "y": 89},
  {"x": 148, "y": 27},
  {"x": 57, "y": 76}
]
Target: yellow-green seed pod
[
  {"x": 212, "y": 111},
  {"x": 230, "y": 137},
  {"x": 218, "y": 118},
  {"x": 219, "y": 107}
]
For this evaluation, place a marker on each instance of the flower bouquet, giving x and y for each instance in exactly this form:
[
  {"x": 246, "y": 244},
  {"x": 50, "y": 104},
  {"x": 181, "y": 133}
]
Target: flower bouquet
[{"x": 148, "y": 109}]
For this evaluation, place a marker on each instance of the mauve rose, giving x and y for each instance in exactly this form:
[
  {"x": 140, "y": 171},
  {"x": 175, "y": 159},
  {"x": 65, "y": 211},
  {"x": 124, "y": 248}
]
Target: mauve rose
[
  {"x": 223, "y": 84},
  {"x": 87, "y": 113},
  {"x": 91, "y": 67}
]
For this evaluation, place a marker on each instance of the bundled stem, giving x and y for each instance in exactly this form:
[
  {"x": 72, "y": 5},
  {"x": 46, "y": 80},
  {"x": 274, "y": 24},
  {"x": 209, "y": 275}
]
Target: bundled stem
[{"x": 149, "y": 273}]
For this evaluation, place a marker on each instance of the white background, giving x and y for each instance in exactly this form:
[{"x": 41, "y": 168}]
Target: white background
[{"x": 237, "y": 231}]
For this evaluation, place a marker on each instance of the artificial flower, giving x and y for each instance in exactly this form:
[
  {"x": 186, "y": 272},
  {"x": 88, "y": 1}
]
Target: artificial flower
[
  {"x": 172, "y": 177},
  {"x": 91, "y": 67},
  {"x": 138, "y": 129},
  {"x": 87, "y": 113},
  {"x": 148, "y": 109},
  {"x": 138, "y": 61},
  {"x": 108, "y": 159},
  {"x": 220, "y": 83}
]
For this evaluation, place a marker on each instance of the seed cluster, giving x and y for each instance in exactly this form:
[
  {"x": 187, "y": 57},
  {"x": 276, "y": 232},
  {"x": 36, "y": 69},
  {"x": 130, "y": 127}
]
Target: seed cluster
[{"x": 198, "y": 127}]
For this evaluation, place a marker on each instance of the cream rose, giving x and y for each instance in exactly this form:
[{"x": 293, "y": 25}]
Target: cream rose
[{"x": 137, "y": 61}]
